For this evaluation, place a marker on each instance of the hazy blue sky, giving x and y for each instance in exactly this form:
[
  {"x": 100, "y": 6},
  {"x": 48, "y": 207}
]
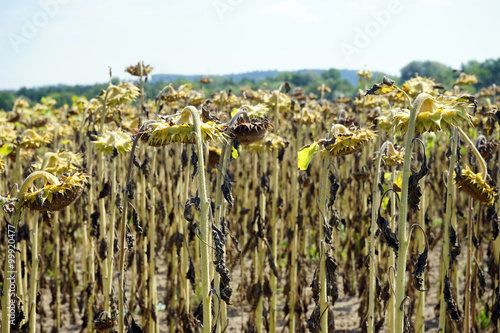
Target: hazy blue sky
[{"x": 74, "y": 41}]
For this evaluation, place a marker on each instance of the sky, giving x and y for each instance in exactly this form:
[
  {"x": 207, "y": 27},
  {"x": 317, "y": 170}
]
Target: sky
[{"x": 47, "y": 42}]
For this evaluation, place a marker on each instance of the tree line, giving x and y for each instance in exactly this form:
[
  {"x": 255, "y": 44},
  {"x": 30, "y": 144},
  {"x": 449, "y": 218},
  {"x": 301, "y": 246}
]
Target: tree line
[{"x": 487, "y": 72}]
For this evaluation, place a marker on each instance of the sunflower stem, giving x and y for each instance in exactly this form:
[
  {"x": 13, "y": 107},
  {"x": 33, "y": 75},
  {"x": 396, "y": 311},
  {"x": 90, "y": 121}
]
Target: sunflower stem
[
  {"x": 204, "y": 225},
  {"x": 445, "y": 256},
  {"x": 403, "y": 212},
  {"x": 373, "y": 228},
  {"x": 323, "y": 298}
]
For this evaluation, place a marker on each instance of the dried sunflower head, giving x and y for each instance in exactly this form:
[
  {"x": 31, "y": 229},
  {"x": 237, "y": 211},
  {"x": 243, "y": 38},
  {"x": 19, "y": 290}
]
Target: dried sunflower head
[
  {"x": 54, "y": 197},
  {"x": 343, "y": 142},
  {"x": 271, "y": 141},
  {"x": 114, "y": 142},
  {"x": 169, "y": 94},
  {"x": 254, "y": 111},
  {"x": 465, "y": 79},
  {"x": 20, "y": 103},
  {"x": 105, "y": 323},
  {"x": 136, "y": 70},
  {"x": 474, "y": 185},
  {"x": 248, "y": 130},
  {"x": 436, "y": 113},
  {"x": 393, "y": 155},
  {"x": 417, "y": 85},
  {"x": 206, "y": 80},
  {"x": 178, "y": 128},
  {"x": 8, "y": 132},
  {"x": 59, "y": 163},
  {"x": 121, "y": 94},
  {"x": 364, "y": 74},
  {"x": 32, "y": 139},
  {"x": 347, "y": 142}
]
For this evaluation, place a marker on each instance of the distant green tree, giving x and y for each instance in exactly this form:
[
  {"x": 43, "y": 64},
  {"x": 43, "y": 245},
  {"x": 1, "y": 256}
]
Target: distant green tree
[
  {"x": 431, "y": 69},
  {"x": 6, "y": 100}
]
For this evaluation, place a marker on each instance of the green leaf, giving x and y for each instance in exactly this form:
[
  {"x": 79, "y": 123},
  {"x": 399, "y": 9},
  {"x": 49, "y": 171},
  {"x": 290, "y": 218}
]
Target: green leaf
[
  {"x": 6, "y": 149},
  {"x": 306, "y": 153}
]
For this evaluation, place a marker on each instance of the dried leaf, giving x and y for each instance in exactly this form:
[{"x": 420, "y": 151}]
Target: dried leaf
[
  {"x": 414, "y": 189},
  {"x": 389, "y": 236},
  {"x": 227, "y": 188},
  {"x": 419, "y": 270},
  {"x": 451, "y": 304},
  {"x": 188, "y": 207}
]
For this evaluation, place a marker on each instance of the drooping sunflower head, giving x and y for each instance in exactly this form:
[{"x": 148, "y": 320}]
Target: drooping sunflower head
[
  {"x": 123, "y": 93},
  {"x": 206, "y": 80},
  {"x": 178, "y": 128},
  {"x": 114, "y": 142},
  {"x": 465, "y": 79},
  {"x": 364, "y": 74},
  {"x": 417, "y": 85},
  {"x": 248, "y": 130},
  {"x": 474, "y": 185},
  {"x": 59, "y": 163},
  {"x": 135, "y": 70},
  {"x": 346, "y": 142},
  {"x": 8, "y": 132},
  {"x": 393, "y": 155},
  {"x": 54, "y": 197},
  {"x": 436, "y": 113},
  {"x": 270, "y": 141},
  {"x": 32, "y": 139}
]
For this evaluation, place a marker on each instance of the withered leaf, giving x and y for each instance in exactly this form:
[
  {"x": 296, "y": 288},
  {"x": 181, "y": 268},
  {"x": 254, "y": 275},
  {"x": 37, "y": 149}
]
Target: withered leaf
[
  {"x": 219, "y": 240},
  {"x": 227, "y": 188},
  {"x": 106, "y": 190},
  {"x": 451, "y": 304},
  {"x": 188, "y": 207},
  {"x": 194, "y": 163},
  {"x": 414, "y": 189},
  {"x": 420, "y": 265},
  {"x": 495, "y": 310},
  {"x": 334, "y": 187},
  {"x": 387, "y": 234},
  {"x": 134, "y": 328},
  {"x": 191, "y": 275},
  {"x": 331, "y": 281}
]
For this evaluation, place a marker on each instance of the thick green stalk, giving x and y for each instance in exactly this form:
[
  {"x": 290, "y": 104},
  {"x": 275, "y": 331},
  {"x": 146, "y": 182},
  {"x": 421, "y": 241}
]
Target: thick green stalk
[
  {"x": 373, "y": 229},
  {"x": 445, "y": 256},
  {"x": 204, "y": 225},
  {"x": 323, "y": 298},
  {"x": 403, "y": 212}
]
